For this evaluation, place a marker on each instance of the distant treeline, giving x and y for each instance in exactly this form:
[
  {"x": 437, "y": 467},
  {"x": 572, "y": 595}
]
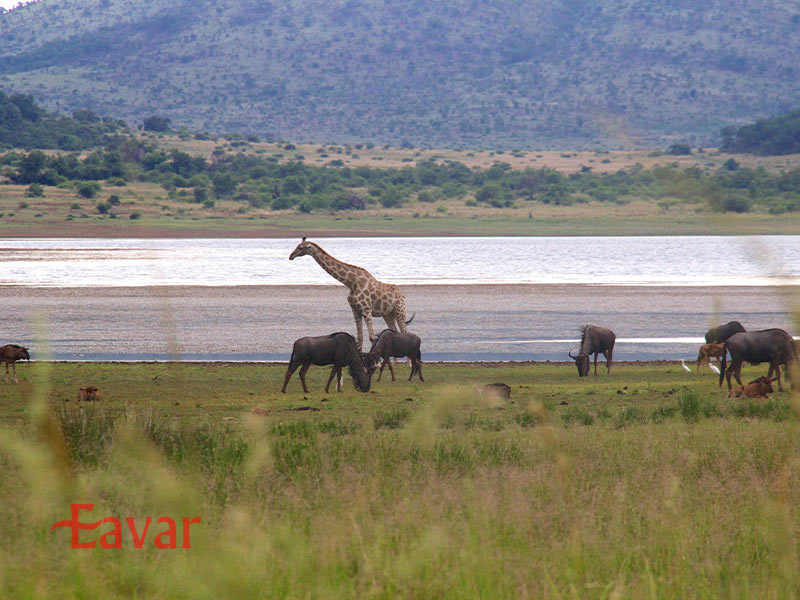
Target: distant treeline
[
  {"x": 24, "y": 124},
  {"x": 780, "y": 135},
  {"x": 264, "y": 182}
]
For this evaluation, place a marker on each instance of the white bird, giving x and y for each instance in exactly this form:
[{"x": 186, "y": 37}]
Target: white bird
[
  {"x": 713, "y": 368},
  {"x": 685, "y": 368}
]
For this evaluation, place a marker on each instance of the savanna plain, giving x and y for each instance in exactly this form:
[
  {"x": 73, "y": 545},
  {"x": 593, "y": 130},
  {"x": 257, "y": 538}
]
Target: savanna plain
[{"x": 645, "y": 483}]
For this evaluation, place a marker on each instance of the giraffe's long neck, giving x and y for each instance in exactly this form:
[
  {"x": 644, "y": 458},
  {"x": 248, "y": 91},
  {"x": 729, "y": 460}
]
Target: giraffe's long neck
[{"x": 335, "y": 268}]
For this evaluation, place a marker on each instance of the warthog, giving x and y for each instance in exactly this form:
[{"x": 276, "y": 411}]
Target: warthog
[
  {"x": 723, "y": 332},
  {"x": 774, "y": 346},
  {"x": 594, "y": 340},
  {"x": 10, "y": 354},
  {"x": 337, "y": 349},
  {"x": 390, "y": 343},
  {"x": 758, "y": 388}
]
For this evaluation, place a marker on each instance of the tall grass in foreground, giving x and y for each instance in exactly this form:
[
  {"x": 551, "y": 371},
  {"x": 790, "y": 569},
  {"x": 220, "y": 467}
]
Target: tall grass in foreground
[{"x": 416, "y": 503}]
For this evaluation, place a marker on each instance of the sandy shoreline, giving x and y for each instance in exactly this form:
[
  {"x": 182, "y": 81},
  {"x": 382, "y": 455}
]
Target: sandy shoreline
[{"x": 456, "y": 322}]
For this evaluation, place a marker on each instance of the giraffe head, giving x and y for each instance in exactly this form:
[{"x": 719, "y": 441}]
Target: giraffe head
[{"x": 302, "y": 249}]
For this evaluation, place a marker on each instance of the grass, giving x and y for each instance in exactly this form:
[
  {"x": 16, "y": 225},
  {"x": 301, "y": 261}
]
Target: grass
[{"x": 646, "y": 483}]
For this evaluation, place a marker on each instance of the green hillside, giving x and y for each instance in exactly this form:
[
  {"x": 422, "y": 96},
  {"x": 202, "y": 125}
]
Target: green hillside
[{"x": 470, "y": 73}]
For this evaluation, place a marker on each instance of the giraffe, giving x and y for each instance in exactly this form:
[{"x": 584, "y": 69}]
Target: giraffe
[{"x": 368, "y": 297}]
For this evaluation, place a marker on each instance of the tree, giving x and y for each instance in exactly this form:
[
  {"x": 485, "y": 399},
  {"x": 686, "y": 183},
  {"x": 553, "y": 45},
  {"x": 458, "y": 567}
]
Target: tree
[{"x": 156, "y": 123}]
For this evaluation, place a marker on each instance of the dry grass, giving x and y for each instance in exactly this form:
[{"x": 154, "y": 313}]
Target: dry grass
[{"x": 667, "y": 491}]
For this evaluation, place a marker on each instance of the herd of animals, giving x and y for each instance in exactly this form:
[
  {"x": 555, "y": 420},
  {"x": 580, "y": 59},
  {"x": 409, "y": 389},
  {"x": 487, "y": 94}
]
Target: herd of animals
[{"x": 369, "y": 298}]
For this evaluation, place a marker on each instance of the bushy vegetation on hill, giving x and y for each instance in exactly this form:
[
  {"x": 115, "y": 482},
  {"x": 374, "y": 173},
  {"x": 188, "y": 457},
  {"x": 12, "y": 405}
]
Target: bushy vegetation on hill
[
  {"x": 780, "y": 135},
  {"x": 24, "y": 124},
  {"x": 266, "y": 183}
]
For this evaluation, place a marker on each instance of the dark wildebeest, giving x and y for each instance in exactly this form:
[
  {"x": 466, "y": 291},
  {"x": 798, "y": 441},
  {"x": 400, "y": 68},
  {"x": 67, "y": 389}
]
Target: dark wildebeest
[
  {"x": 758, "y": 388},
  {"x": 774, "y": 346},
  {"x": 337, "y": 349},
  {"x": 390, "y": 343},
  {"x": 594, "y": 340},
  {"x": 709, "y": 351},
  {"x": 720, "y": 334},
  {"x": 10, "y": 354}
]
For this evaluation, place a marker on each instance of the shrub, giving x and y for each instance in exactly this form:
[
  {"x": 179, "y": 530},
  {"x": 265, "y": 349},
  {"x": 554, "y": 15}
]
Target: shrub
[
  {"x": 679, "y": 149},
  {"x": 103, "y": 208},
  {"x": 34, "y": 191},
  {"x": 88, "y": 189},
  {"x": 135, "y": 215},
  {"x": 113, "y": 199}
]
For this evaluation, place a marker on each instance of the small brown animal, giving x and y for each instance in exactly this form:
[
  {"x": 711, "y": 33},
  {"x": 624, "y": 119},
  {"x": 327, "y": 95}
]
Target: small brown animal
[
  {"x": 10, "y": 354},
  {"x": 88, "y": 394},
  {"x": 709, "y": 351},
  {"x": 758, "y": 388}
]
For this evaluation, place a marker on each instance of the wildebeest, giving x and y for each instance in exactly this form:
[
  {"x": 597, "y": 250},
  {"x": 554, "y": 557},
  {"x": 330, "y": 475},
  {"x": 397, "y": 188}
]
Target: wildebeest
[
  {"x": 723, "y": 332},
  {"x": 774, "y": 346},
  {"x": 709, "y": 351},
  {"x": 10, "y": 354},
  {"x": 390, "y": 343},
  {"x": 594, "y": 340},
  {"x": 88, "y": 394},
  {"x": 758, "y": 388},
  {"x": 337, "y": 349}
]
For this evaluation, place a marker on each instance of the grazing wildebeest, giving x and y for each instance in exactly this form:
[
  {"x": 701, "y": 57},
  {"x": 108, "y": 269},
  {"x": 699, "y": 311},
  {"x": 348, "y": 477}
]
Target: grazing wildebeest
[
  {"x": 707, "y": 352},
  {"x": 758, "y": 388},
  {"x": 337, "y": 349},
  {"x": 390, "y": 343},
  {"x": 10, "y": 354},
  {"x": 595, "y": 340},
  {"x": 723, "y": 332},
  {"x": 774, "y": 346}
]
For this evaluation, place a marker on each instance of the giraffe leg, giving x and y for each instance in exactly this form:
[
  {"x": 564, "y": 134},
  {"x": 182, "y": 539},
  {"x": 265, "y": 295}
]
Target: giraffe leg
[
  {"x": 359, "y": 327},
  {"x": 368, "y": 321}
]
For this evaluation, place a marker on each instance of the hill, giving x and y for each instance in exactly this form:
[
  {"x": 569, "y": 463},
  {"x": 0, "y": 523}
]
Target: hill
[{"x": 475, "y": 73}]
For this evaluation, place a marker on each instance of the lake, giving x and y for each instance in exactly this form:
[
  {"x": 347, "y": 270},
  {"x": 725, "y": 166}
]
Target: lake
[{"x": 475, "y": 298}]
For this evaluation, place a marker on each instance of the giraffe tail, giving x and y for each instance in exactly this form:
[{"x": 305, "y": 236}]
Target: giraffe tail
[{"x": 411, "y": 319}]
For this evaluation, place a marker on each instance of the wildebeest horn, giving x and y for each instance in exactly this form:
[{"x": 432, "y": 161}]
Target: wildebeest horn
[{"x": 572, "y": 357}]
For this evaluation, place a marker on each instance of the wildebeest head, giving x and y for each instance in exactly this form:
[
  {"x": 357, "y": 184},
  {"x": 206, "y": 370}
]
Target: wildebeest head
[
  {"x": 582, "y": 362},
  {"x": 302, "y": 249},
  {"x": 22, "y": 354},
  {"x": 361, "y": 375}
]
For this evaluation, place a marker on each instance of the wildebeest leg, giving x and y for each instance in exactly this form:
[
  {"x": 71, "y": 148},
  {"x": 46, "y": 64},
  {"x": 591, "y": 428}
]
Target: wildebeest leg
[
  {"x": 608, "y": 354},
  {"x": 333, "y": 373},
  {"x": 596, "y": 354},
  {"x": 728, "y": 372},
  {"x": 380, "y": 373},
  {"x": 302, "y": 374},
  {"x": 289, "y": 371},
  {"x": 777, "y": 368},
  {"x": 737, "y": 373},
  {"x": 388, "y": 361},
  {"x": 6, "y": 372}
]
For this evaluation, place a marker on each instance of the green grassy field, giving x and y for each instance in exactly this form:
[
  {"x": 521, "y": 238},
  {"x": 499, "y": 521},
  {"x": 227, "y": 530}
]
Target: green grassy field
[{"x": 648, "y": 483}]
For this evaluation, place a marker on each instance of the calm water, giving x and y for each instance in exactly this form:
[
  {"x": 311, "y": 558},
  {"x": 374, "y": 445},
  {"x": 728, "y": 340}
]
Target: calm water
[
  {"x": 704, "y": 260},
  {"x": 659, "y": 294}
]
